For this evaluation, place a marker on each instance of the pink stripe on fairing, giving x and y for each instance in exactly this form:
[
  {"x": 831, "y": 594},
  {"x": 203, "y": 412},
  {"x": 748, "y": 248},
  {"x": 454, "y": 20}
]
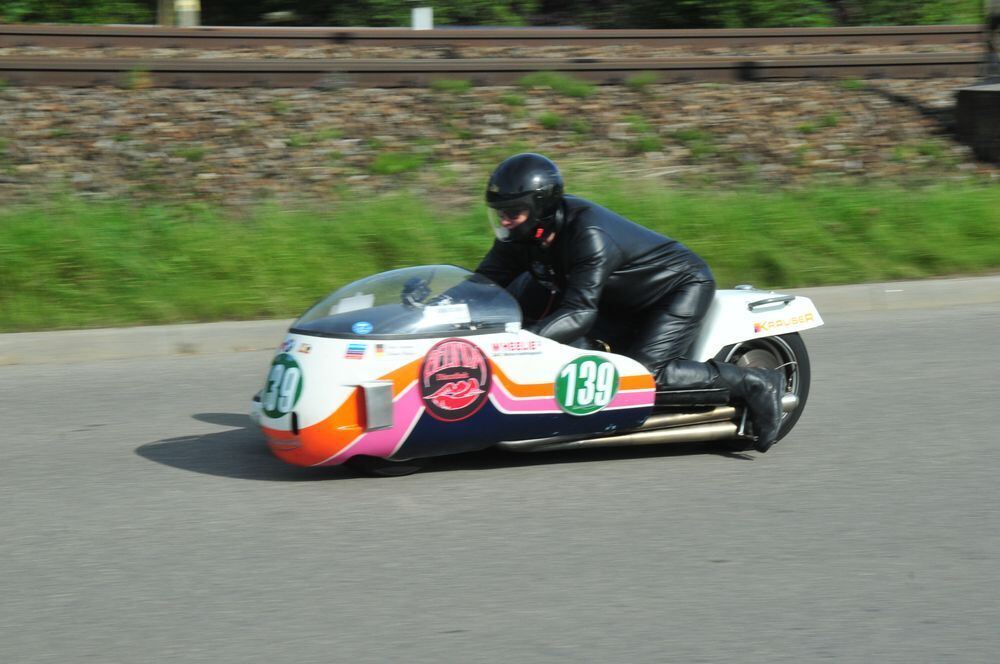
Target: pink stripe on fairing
[
  {"x": 507, "y": 403},
  {"x": 408, "y": 408},
  {"x": 633, "y": 399}
]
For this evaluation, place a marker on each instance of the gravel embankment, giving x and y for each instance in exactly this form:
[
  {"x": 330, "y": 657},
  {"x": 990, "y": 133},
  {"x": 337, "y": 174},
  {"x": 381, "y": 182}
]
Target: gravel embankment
[{"x": 238, "y": 145}]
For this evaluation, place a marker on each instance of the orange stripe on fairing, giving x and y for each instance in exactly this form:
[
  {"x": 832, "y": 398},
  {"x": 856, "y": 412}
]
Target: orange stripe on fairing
[
  {"x": 331, "y": 436},
  {"x": 641, "y": 382},
  {"x": 523, "y": 390}
]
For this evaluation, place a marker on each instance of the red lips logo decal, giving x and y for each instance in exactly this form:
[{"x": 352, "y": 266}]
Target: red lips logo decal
[
  {"x": 456, "y": 396},
  {"x": 454, "y": 380}
]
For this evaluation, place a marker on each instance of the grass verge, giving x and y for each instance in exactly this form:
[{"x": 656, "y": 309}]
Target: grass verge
[{"x": 70, "y": 264}]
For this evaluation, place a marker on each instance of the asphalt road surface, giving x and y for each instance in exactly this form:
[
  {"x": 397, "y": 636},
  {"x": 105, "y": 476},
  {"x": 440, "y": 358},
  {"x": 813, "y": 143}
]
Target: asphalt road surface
[{"x": 143, "y": 520}]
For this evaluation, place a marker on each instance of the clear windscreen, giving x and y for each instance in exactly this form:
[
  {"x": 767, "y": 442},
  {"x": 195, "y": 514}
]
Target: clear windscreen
[{"x": 427, "y": 300}]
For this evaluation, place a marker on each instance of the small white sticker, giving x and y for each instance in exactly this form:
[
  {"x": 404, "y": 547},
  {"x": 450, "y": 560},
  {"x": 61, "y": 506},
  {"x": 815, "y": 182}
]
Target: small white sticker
[
  {"x": 382, "y": 350},
  {"x": 354, "y": 303},
  {"x": 447, "y": 314}
]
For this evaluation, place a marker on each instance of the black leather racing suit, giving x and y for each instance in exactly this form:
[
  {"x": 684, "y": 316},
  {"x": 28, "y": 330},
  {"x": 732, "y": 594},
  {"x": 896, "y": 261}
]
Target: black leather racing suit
[{"x": 607, "y": 277}]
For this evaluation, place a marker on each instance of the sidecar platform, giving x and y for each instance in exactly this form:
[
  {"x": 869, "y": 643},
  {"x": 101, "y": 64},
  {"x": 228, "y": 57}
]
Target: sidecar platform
[{"x": 707, "y": 397}]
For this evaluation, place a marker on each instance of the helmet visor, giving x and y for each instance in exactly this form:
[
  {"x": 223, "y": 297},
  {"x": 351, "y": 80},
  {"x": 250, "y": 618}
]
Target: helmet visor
[{"x": 506, "y": 220}]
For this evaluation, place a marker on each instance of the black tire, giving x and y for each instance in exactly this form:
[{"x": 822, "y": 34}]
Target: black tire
[
  {"x": 786, "y": 352},
  {"x": 378, "y": 467}
]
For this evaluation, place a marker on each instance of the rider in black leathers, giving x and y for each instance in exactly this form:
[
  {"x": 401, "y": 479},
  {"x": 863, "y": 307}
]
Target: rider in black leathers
[{"x": 581, "y": 272}]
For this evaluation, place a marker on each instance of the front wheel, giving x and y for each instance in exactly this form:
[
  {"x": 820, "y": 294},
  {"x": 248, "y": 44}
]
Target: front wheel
[{"x": 786, "y": 353}]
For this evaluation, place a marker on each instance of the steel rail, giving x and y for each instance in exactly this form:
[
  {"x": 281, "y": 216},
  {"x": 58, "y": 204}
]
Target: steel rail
[
  {"x": 101, "y": 36},
  {"x": 212, "y": 73}
]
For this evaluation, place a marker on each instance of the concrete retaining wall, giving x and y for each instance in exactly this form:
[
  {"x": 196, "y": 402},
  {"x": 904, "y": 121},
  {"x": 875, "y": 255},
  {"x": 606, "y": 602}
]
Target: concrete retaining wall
[{"x": 194, "y": 339}]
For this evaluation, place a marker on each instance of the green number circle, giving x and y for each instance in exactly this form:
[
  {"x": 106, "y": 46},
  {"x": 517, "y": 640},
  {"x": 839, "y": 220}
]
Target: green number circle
[
  {"x": 586, "y": 385},
  {"x": 283, "y": 386}
]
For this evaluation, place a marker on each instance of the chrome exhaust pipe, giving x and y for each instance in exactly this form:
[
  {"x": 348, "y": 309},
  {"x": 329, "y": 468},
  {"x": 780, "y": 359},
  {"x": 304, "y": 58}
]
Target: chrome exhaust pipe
[
  {"x": 653, "y": 422},
  {"x": 716, "y": 424},
  {"x": 789, "y": 402},
  {"x": 698, "y": 433},
  {"x": 681, "y": 419}
]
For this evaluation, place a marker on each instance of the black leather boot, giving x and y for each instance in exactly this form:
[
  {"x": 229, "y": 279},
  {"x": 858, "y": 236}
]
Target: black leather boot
[
  {"x": 690, "y": 383},
  {"x": 761, "y": 390}
]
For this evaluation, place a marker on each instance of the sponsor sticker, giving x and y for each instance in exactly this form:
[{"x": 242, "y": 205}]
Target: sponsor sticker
[
  {"x": 586, "y": 385},
  {"x": 362, "y": 327},
  {"x": 394, "y": 349},
  {"x": 305, "y": 348},
  {"x": 355, "y": 351},
  {"x": 782, "y": 323},
  {"x": 516, "y": 347},
  {"x": 286, "y": 345},
  {"x": 283, "y": 386},
  {"x": 447, "y": 314},
  {"x": 354, "y": 303},
  {"x": 455, "y": 380}
]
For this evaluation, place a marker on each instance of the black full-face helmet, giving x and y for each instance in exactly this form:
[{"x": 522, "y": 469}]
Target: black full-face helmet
[{"x": 526, "y": 183}]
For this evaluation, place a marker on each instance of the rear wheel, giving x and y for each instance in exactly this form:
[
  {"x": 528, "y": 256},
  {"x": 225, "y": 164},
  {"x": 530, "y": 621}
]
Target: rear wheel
[
  {"x": 786, "y": 353},
  {"x": 379, "y": 467}
]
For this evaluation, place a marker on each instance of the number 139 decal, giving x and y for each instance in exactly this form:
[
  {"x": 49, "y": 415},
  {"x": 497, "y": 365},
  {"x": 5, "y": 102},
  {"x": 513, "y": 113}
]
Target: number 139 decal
[
  {"x": 586, "y": 385},
  {"x": 283, "y": 387}
]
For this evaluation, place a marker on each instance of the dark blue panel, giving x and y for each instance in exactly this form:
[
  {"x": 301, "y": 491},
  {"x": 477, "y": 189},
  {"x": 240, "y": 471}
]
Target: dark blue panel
[{"x": 431, "y": 437}]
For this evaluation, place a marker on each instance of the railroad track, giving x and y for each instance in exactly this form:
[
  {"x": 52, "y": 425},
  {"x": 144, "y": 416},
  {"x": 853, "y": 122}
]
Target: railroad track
[
  {"x": 19, "y": 36},
  {"x": 217, "y": 73},
  {"x": 194, "y": 72}
]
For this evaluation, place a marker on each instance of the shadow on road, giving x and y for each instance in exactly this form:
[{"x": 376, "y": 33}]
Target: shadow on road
[
  {"x": 241, "y": 453},
  {"x": 491, "y": 459}
]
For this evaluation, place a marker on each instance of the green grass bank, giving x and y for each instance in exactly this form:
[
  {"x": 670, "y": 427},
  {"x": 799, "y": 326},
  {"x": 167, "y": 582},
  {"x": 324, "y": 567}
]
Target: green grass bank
[{"x": 67, "y": 263}]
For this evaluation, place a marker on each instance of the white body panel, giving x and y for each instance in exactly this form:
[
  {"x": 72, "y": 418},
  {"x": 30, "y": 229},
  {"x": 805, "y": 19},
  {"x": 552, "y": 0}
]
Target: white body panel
[
  {"x": 528, "y": 358},
  {"x": 730, "y": 320}
]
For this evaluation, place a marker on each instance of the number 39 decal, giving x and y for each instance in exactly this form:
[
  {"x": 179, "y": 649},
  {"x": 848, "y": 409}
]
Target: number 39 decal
[
  {"x": 283, "y": 387},
  {"x": 586, "y": 385}
]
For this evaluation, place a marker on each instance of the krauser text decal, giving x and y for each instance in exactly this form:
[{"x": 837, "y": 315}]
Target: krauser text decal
[{"x": 782, "y": 323}]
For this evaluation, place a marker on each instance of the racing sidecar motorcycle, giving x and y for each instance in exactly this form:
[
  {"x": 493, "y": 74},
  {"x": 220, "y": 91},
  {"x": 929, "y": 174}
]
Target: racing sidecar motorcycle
[{"x": 405, "y": 365}]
